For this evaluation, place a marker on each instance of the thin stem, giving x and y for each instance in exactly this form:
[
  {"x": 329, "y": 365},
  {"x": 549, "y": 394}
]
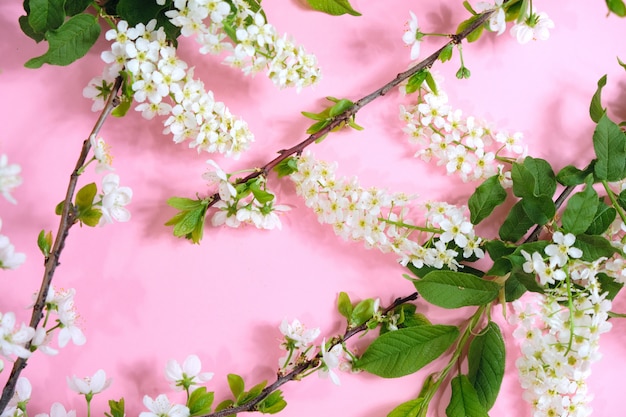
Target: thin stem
[
  {"x": 68, "y": 219},
  {"x": 304, "y": 367},
  {"x": 614, "y": 201},
  {"x": 460, "y": 346},
  {"x": 347, "y": 115}
]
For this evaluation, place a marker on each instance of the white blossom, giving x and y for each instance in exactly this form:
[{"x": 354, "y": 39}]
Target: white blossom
[
  {"x": 412, "y": 36},
  {"x": 58, "y": 410},
  {"x": 89, "y": 385},
  {"x": 161, "y": 407},
  {"x": 114, "y": 200},
  {"x": 12, "y": 339},
  {"x": 188, "y": 375},
  {"x": 9, "y": 178}
]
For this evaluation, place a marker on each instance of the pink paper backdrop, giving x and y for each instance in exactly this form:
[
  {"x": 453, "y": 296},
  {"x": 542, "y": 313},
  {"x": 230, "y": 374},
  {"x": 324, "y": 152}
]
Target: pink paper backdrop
[{"x": 145, "y": 297}]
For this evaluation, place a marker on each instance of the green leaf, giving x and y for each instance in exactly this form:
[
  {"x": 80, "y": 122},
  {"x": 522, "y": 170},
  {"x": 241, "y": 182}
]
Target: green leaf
[
  {"x": 46, "y": 15},
  {"x": 340, "y": 107},
  {"x": 85, "y": 196},
  {"x": 475, "y": 34},
  {"x": 344, "y": 305},
  {"x": 236, "y": 384},
  {"x": 609, "y": 285},
  {"x": 415, "y": 81},
  {"x": 513, "y": 289},
  {"x": 316, "y": 127},
  {"x": 486, "y": 362},
  {"x": 286, "y": 167},
  {"x": 497, "y": 249},
  {"x": 540, "y": 210},
  {"x": 224, "y": 405},
  {"x": 182, "y": 203},
  {"x": 610, "y": 147},
  {"x": 408, "y": 409},
  {"x": 619, "y": 61},
  {"x": 362, "y": 312},
  {"x": 252, "y": 394},
  {"x": 533, "y": 178},
  {"x": 464, "y": 401},
  {"x": 519, "y": 282},
  {"x": 73, "y": 7},
  {"x": 90, "y": 217},
  {"x": 469, "y": 8},
  {"x": 260, "y": 195},
  {"x": 333, "y": 7},
  {"x": 571, "y": 176},
  {"x": 200, "y": 401},
  {"x": 580, "y": 210},
  {"x": 516, "y": 224},
  {"x": 189, "y": 222},
  {"x": 69, "y": 42},
  {"x": 594, "y": 247},
  {"x": 487, "y": 197},
  {"x": 273, "y": 403},
  {"x": 430, "y": 81},
  {"x": 513, "y": 11},
  {"x": 129, "y": 11},
  {"x": 500, "y": 267},
  {"x": 58, "y": 209},
  {"x": 595, "y": 108},
  {"x": 44, "y": 242},
  {"x": 117, "y": 408},
  {"x": 446, "y": 53},
  {"x": 405, "y": 351},
  {"x": 617, "y": 7},
  {"x": 450, "y": 289},
  {"x": 28, "y": 30},
  {"x": 603, "y": 218}
]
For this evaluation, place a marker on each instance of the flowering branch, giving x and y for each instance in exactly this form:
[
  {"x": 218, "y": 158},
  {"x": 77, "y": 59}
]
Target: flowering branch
[
  {"x": 68, "y": 219},
  {"x": 301, "y": 368},
  {"x": 344, "y": 117}
]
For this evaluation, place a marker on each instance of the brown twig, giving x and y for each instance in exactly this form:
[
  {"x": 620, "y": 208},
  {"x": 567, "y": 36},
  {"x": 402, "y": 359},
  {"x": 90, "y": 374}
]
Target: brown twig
[
  {"x": 344, "y": 117},
  {"x": 68, "y": 219},
  {"x": 300, "y": 369}
]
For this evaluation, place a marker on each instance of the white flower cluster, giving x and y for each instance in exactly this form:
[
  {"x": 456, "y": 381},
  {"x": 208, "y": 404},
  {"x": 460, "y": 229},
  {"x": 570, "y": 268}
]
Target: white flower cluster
[
  {"x": 13, "y": 339},
  {"x": 532, "y": 26},
  {"x": 113, "y": 199},
  {"x": 17, "y": 404},
  {"x": 298, "y": 342},
  {"x": 380, "y": 218},
  {"x": 61, "y": 305},
  {"x": 9, "y": 178},
  {"x": 558, "y": 345},
  {"x": 9, "y": 259},
  {"x": 252, "y": 204},
  {"x": 466, "y": 146},
  {"x": 258, "y": 45},
  {"x": 157, "y": 73},
  {"x": 88, "y": 386},
  {"x": 559, "y": 254},
  {"x": 181, "y": 377},
  {"x": 187, "y": 376}
]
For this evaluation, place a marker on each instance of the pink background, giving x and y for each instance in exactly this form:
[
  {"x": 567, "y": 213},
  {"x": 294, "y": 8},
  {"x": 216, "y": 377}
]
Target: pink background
[{"x": 145, "y": 297}]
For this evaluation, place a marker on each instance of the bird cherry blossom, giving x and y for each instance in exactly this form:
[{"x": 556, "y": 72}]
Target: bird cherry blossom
[{"x": 187, "y": 376}]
